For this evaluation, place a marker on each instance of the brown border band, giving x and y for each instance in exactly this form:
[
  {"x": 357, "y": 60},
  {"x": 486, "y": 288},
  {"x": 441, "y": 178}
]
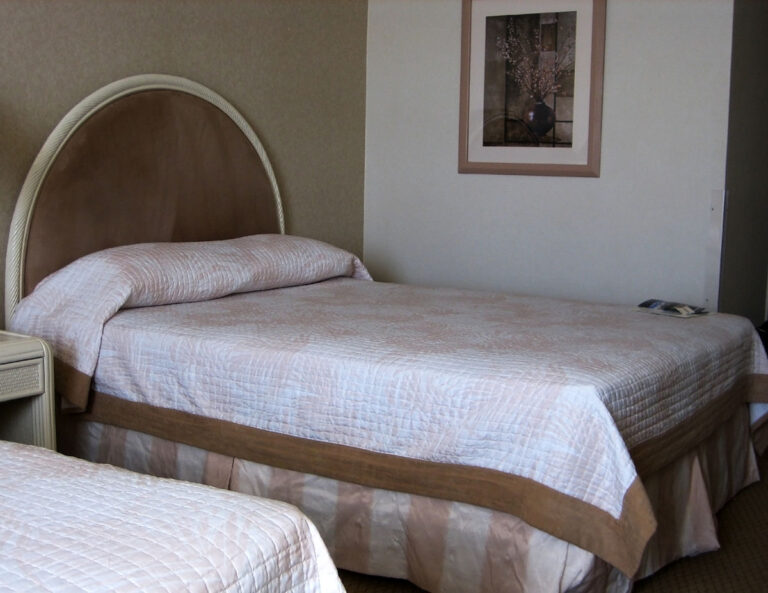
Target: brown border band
[
  {"x": 648, "y": 456},
  {"x": 620, "y": 542},
  {"x": 651, "y": 455},
  {"x": 73, "y": 385},
  {"x": 758, "y": 389}
]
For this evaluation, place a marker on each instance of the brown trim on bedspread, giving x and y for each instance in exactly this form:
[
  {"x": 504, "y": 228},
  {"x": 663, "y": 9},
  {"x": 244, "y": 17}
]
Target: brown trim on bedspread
[
  {"x": 652, "y": 455},
  {"x": 757, "y": 391},
  {"x": 648, "y": 456},
  {"x": 72, "y": 385},
  {"x": 618, "y": 541}
]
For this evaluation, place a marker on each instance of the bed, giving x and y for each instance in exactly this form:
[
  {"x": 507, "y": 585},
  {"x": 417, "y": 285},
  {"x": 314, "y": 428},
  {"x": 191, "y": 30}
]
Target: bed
[
  {"x": 72, "y": 525},
  {"x": 464, "y": 440}
]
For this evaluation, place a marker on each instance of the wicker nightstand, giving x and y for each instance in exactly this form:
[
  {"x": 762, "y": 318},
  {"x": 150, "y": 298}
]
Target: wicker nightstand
[{"x": 26, "y": 391}]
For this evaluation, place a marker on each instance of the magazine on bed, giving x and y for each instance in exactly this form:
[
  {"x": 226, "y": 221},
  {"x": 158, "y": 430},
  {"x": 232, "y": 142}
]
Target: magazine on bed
[{"x": 660, "y": 307}]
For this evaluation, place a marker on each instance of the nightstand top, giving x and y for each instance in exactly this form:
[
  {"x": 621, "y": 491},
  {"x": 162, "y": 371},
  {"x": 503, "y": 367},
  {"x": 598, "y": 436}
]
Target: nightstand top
[
  {"x": 14, "y": 347},
  {"x": 26, "y": 391}
]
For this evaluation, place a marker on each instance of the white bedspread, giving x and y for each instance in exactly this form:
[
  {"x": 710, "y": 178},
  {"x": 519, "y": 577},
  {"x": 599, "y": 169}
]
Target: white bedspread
[
  {"x": 553, "y": 391},
  {"x": 71, "y": 525}
]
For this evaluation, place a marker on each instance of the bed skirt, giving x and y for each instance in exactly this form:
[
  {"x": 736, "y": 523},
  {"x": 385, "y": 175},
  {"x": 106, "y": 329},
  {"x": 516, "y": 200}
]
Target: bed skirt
[
  {"x": 450, "y": 547},
  {"x": 760, "y": 435}
]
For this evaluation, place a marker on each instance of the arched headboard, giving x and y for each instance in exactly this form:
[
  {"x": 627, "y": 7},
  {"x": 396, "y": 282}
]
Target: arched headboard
[{"x": 144, "y": 159}]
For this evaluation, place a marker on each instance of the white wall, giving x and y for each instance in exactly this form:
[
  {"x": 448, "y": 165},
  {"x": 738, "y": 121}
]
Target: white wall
[{"x": 644, "y": 228}]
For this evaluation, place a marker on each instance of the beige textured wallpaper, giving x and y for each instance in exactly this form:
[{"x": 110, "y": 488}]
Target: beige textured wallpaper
[{"x": 294, "y": 68}]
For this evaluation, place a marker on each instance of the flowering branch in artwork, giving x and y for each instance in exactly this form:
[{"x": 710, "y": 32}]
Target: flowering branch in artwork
[{"x": 535, "y": 76}]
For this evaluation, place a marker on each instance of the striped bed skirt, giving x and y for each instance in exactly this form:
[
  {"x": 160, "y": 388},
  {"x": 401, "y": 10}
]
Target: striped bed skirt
[{"x": 444, "y": 546}]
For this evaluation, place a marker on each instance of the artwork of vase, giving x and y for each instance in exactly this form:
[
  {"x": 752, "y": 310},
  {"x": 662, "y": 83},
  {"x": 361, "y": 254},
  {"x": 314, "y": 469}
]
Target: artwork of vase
[{"x": 527, "y": 71}]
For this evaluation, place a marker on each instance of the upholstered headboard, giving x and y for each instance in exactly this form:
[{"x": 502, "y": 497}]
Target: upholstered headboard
[{"x": 146, "y": 158}]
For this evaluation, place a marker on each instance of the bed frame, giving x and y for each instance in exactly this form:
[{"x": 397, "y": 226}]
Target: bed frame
[{"x": 138, "y": 161}]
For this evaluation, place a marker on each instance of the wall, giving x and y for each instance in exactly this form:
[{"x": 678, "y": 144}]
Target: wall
[
  {"x": 296, "y": 70},
  {"x": 745, "y": 246},
  {"x": 649, "y": 226}
]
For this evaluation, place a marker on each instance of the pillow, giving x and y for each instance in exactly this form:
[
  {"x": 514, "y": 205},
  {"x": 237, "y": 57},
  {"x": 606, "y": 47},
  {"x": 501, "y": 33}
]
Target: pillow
[
  {"x": 70, "y": 307},
  {"x": 164, "y": 273}
]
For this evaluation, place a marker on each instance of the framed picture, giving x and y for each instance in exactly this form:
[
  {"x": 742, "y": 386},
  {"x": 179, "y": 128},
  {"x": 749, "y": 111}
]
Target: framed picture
[{"x": 531, "y": 87}]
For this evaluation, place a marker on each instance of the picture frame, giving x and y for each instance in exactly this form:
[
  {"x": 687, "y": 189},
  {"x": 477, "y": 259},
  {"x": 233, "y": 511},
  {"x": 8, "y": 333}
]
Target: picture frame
[{"x": 531, "y": 87}]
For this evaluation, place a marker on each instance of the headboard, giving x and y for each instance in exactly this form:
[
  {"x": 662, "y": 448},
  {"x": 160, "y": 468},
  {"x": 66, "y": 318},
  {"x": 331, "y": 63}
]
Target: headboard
[{"x": 147, "y": 158}]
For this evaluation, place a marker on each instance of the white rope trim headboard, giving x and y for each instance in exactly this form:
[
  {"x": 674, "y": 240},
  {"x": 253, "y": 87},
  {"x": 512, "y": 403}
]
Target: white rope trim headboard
[{"x": 22, "y": 215}]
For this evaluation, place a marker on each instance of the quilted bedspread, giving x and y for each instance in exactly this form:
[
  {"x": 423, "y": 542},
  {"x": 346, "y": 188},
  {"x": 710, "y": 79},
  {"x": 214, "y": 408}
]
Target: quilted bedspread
[
  {"x": 556, "y": 393},
  {"x": 71, "y": 525}
]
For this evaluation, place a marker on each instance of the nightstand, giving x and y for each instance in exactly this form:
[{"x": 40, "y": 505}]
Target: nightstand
[{"x": 26, "y": 391}]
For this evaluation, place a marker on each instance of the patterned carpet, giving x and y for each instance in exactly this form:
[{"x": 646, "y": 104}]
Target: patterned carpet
[{"x": 740, "y": 566}]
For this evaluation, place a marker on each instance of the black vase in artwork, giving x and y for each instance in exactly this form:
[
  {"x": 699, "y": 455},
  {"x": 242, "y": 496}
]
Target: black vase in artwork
[{"x": 540, "y": 118}]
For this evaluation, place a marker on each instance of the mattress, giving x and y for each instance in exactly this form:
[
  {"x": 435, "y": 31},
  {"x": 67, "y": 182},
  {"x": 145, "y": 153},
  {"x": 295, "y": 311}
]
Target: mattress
[
  {"x": 546, "y": 409},
  {"x": 72, "y": 525}
]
